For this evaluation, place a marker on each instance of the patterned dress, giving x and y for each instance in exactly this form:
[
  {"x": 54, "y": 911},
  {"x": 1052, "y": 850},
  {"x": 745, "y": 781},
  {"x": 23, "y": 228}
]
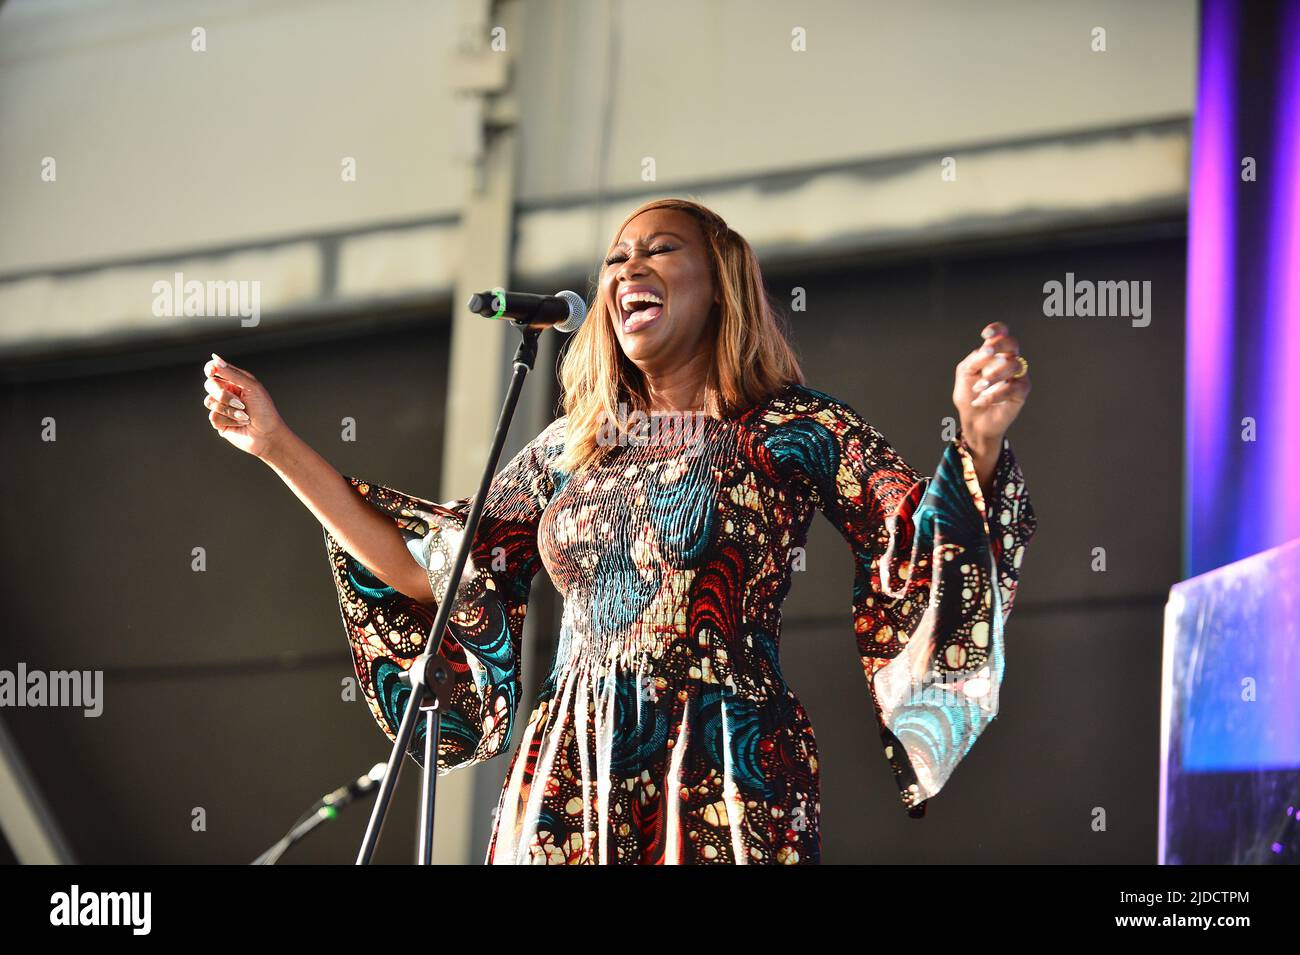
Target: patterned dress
[{"x": 665, "y": 732}]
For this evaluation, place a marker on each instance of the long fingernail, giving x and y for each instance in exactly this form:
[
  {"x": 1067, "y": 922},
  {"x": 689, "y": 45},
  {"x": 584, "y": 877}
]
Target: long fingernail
[
  {"x": 221, "y": 362},
  {"x": 236, "y": 403},
  {"x": 241, "y": 416},
  {"x": 980, "y": 385}
]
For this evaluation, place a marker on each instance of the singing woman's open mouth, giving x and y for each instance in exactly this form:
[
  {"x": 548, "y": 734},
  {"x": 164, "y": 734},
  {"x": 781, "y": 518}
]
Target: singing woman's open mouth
[{"x": 639, "y": 306}]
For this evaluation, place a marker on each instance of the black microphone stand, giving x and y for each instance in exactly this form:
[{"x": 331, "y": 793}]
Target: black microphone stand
[{"x": 430, "y": 675}]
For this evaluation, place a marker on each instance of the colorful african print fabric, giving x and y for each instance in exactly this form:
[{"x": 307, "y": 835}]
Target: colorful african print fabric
[{"x": 665, "y": 732}]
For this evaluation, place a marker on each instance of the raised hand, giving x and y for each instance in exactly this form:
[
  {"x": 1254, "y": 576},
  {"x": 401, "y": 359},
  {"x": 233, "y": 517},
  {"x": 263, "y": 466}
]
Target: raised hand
[
  {"x": 240, "y": 409},
  {"x": 991, "y": 386}
]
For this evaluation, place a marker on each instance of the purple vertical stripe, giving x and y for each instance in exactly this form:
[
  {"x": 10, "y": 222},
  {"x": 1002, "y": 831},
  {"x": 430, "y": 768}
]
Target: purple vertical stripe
[
  {"x": 1210, "y": 289},
  {"x": 1281, "y": 350},
  {"x": 1282, "y": 328}
]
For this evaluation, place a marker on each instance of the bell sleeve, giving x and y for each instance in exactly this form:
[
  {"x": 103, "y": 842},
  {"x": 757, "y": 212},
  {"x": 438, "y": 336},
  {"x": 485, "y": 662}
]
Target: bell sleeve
[
  {"x": 388, "y": 630},
  {"x": 936, "y": 571}
]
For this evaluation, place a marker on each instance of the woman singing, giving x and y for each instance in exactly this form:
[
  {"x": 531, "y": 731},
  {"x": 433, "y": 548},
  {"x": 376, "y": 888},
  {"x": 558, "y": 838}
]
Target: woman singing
[{"x": 665, "y": 732}]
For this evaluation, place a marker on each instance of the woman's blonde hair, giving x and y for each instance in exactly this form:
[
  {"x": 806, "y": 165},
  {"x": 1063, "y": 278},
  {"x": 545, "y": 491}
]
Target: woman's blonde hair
[{"x": 752, "y": 357}]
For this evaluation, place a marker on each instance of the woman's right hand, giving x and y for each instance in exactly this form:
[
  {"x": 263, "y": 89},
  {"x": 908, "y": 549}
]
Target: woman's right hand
[{"x": 240, "y": 409}]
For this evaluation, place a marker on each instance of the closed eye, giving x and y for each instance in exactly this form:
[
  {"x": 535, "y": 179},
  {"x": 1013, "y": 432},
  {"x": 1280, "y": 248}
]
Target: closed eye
[{"x": 618, "y": 257}]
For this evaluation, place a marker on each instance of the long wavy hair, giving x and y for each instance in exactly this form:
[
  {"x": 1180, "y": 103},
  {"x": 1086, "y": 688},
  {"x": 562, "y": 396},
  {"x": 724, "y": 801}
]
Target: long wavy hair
[{"x": 752, "y": 356}]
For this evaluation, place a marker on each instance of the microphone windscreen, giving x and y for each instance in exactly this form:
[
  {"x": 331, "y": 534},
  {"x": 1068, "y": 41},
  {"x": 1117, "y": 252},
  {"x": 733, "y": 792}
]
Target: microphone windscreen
[{"x": 577, "y": 311}]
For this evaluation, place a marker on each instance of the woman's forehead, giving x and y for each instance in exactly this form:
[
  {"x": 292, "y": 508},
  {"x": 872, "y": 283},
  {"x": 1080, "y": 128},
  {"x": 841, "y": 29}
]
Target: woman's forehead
[{"x": 655, "y": 222}]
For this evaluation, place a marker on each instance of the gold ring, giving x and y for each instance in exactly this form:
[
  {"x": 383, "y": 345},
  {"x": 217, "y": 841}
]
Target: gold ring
[{"x": 1024, "y": 367}]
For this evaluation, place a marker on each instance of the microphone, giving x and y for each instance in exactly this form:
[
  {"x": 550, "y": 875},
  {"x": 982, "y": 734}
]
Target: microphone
[
  {"x": 322, "y": 810},
  {"x": 563, "y": 311},
  {"x": 363, "y": 784}
]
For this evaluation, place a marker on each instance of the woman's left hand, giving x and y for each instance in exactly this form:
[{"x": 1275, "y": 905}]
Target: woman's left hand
[{"x": 986, "y": 394}]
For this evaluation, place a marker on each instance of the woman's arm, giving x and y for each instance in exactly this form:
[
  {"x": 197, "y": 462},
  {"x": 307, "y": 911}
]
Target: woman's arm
[
  {"x": 240, "y": 409},
  {"x": 985, "y": 454},
  {"x": 365, "y": 533},
  {"x": 483, "y": 639}
]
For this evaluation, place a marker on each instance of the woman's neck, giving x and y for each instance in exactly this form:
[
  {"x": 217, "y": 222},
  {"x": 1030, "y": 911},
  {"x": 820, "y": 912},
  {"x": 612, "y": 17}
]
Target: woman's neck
[
  {"x": 662, "y": 403},
  {"x": 682, "y": 390}
]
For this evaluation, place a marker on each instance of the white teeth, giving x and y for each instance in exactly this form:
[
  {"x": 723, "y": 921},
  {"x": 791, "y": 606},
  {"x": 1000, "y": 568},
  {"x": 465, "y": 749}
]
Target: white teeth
[{"x": 626, "y": 300}]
